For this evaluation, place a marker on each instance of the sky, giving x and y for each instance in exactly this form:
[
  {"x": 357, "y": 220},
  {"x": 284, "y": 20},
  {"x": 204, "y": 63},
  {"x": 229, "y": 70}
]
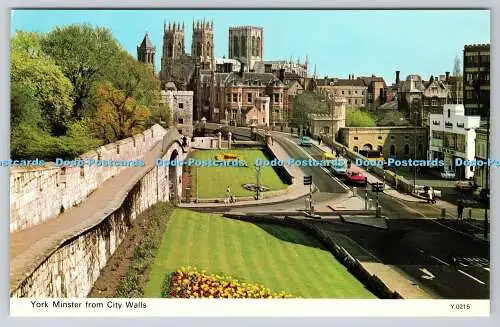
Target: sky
[{"x": 339, "y": 43}]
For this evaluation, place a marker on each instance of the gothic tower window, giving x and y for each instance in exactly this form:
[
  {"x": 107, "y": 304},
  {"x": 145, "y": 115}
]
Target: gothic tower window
[
  {"x": 254, "y": 46},
  {"x": 259, "y": 50},
  {"x": 198, "y": 49},
  {"x": 236, "y": 52},
  {"x": 170, "y": 50},
  {"x": 208, "y": 50},
  {"x": 243, "y": 51}
]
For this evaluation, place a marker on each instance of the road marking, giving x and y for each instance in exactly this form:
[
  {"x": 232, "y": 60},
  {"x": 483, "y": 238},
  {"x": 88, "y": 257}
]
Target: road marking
[
  {"x": 471, "y": 277},
  {"x": 443, "y": 262},
  {"x": 323, "y": 168},
  {"x": 427, "y": 274},
  {"x": 487, "y": 269}
]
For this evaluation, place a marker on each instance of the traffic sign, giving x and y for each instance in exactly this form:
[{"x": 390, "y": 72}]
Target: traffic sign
[{"x": 307, "y": 180}]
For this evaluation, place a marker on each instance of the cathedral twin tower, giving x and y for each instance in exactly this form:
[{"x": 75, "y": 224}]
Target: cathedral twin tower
[{"x": 245, "y": 44}]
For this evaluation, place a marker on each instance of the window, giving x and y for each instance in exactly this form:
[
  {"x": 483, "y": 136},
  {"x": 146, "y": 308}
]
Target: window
[
  {"x": 180, "y": 121},
  {"x": 362, "y": 92},
  {"x": 181, "y": 105},
  {"x": 356, "y": 92},
  {"x": 235, "y": 97},
  {"x": 407, "y": 149},
  {"x": 362, "y": 102},
  {"x": 380, "y": 137},
  {"x": 342, "y": 92},
  {"x": 228, "y": 97},
  {"x": 434, "y": 103},
  {"x": 249, "y": 97},
  {"x": 392, "y": 151},
  {"x": 276, "y": 98},
  {"x": 349, "y": 92},
  {"x": 449, "y": 113},
  {"x": 356, "y": 101},
  {"x": 350, "y": 101},
  {"x": 355, "y": 138}
]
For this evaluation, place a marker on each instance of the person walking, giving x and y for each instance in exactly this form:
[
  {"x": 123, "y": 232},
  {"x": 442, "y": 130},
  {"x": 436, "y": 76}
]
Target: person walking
[
  {"x": 319, "y": 140},
  {"x": 228, "y": 194},
  {"x": 430, "y": 194},
  {"x": 460, "y": 209}
]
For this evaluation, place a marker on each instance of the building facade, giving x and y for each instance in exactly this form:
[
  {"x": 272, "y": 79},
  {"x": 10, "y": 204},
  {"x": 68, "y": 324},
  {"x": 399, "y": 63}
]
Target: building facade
[
  {"x": 452, "y": 135},
  {"x": 476, "y": 86},
  {"x": 246, "y": 44},
  {"x": 375, "y": 93},
  {"x": 392, "y": 142},
  {"x": 181, "y": 109},
  {"x": 329, "y": 124},
  {"x": 353, "y": 90},
  {"x": 481, "y": 177}
]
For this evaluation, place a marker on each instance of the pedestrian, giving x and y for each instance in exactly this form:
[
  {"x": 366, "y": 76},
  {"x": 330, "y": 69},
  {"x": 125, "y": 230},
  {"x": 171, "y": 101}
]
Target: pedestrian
[
  {"x": 228, "y": 194},
  {"x": 319, "y": 139},
  {"x": 429, "y": 194},
  {"x": 460, "y": 209},
  {"x": 433, "y": 197}
]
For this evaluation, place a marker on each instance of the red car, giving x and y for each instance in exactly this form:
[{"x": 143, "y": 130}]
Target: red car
[{"x": 354, "y": 175}]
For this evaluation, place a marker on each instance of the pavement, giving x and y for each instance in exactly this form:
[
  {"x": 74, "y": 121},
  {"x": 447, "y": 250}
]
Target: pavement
[{"x": 30, "y": 247}]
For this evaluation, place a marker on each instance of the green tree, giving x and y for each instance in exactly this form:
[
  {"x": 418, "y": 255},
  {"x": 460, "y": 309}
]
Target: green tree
[
  {"x": 118, "y": 116},
  {"x": 134, "y": 79},
  {"x": 32, "y": 69},
  {"x": 359, "y": 118},
  {"x": 83, "y": 52}
]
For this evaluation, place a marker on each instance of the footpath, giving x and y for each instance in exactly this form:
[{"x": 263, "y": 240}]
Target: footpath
[{"x": 30, "y": 247}]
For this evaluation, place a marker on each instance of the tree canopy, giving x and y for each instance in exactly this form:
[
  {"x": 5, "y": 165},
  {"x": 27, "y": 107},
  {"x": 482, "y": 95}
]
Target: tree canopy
[
  {"x": 304, "y": 104},
  {"x": 73, "y": 89},
  {"x": 359, "y": 118}
]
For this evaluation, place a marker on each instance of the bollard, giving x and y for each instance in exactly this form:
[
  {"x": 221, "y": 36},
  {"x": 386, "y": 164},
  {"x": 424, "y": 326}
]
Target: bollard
[
  {"x": 443, "y": 213},
  {"x": 379, "y": 211},
  {"x": 354, "y": 191}
]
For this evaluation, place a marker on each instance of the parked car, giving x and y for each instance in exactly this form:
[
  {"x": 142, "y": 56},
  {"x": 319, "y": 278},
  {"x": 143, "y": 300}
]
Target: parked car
[
  {"x": 448, "y": 175},
  {"x": 465, "y": 186},
  {"x": 305, "y": 141}
]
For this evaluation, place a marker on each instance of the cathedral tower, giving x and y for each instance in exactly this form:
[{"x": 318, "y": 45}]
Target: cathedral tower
[
  {"x": 173, "y": 48},
  {"x": 146, "y": 52},
  {"x": 202, "y": 48},
  {"x": 246, "y": 44}
]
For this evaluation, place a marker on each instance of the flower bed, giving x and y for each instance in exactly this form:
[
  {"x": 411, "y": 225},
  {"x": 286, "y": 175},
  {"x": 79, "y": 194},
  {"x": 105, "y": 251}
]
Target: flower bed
[{"x": 187, "y": 282}]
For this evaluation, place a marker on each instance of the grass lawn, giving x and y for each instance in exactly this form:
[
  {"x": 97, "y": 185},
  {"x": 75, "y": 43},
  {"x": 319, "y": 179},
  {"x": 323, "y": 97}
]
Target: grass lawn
[
  {"x": 213, "y": 181},
  {"x": 281, "y": 258}
]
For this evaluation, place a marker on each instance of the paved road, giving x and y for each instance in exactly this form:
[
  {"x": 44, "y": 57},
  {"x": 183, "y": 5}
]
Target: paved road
[{"x": 438, "y": 259}]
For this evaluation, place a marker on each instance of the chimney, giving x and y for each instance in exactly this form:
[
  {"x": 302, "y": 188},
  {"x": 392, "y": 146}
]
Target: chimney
[
  {"x": 447, "y": 76},
  {"x": 397, "y": 76},
  {"x": 242, "y": 69},
  {"x": 282, "y": 75}
]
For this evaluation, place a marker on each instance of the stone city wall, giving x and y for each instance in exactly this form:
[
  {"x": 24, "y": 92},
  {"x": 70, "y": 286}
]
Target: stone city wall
[
  {"x": 72, "y": 269},
  {"x": 40, "y": 194}
]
